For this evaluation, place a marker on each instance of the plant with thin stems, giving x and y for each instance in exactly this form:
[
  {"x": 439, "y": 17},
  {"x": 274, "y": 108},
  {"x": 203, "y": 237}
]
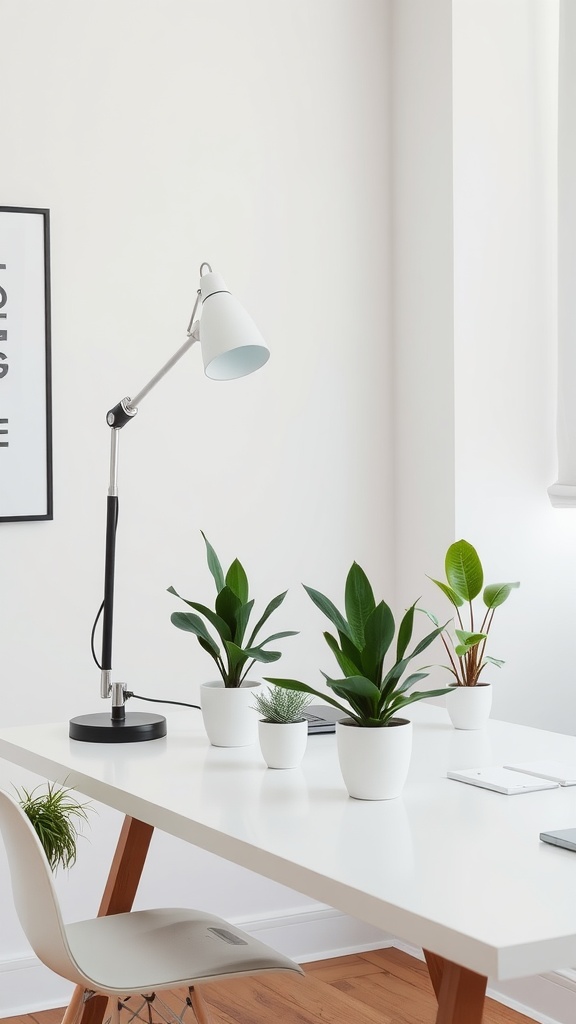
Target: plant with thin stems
[
  {"x": 465, "y": 579},
  {"x": 365, "y": 634},
  {"x": 234, "y": 655},
  {"x": 280, "y": 706},
  {"x": 57, "y": 818}
]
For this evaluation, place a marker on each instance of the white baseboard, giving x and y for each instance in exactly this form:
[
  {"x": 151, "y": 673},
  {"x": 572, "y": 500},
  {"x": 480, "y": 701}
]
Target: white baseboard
[
  {"x": 27, "y": 986},
  {"x": 316, "y": 933}
]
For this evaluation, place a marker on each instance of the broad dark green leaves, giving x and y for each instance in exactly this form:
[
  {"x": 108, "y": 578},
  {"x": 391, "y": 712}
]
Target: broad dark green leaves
[
  {"x": 230, "y": 619},
  {"x": 365, "y": 636}
]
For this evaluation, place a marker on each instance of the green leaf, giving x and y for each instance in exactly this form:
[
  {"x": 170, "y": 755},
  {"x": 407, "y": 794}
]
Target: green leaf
[
  {"x": 346, "y": 665},
  {"x": 214, "y": 564},
  {"x": 278, "y": 636},
  {"x": 271, "y": 607},
  {"x": 450, "y": 594},
  {"x": 361, "y": 692},
  {"x": 349, "y": 649},
  {"x": 411, "y": 698},
  {"x": 227, "y": 607},
  {"x": 464, "y": 570},
  {"x": 430, "y": 615},
  {"x": 405, "y": 632},
  {"x": 219, "y": 624},
  {"x": 242, "y": 617},
  {"x": 237, "y": 580},
  {"x": 426, "y": 641},
  {"x": 397, "y": 671},
  {"x": 469, "y": 639},
  {"x": 330, "y": 611},
  {"x": 193, "y": 624},
  {"x": 236, "y": 657},
  {"x": 410, "y": 680},
  {"x": 257, "y": 654},
  {"x": 495, "y": 661},
  {"x": 359, "y": 686},
  {"x": 496, "y": 593},
  {"x": 379, "y": 633},
  {"x": 359, "y": 602}
]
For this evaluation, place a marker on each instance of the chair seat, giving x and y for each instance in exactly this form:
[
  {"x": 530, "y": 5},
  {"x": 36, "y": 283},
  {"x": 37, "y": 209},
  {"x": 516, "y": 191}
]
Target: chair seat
[{"x": 150, "y": 950}]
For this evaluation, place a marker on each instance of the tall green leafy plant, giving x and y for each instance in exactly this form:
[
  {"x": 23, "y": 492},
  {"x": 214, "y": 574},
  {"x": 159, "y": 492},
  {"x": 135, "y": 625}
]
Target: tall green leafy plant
[
  {"x": 464, "y": 582},
  {"x": 364, "y": 636},
  {"x": 234, "y": 651}
]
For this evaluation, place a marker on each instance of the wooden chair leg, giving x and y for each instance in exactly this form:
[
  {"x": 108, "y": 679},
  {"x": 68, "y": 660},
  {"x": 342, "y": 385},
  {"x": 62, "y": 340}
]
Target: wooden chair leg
[
  {"x": 118, "y": 898},
  {"x": 199, "y": 1006},
  {"x": 460, "y": 992}
]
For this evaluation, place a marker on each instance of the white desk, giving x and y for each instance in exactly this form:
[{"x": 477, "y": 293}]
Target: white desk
[{"x": 457, "y": 870}]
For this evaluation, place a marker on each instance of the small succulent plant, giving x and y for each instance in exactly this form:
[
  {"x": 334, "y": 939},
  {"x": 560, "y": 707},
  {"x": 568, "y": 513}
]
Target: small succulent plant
[{"x": 281, "y": 706}]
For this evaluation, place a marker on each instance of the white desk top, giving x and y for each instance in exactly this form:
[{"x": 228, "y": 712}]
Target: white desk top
[{"x": 458, "y": 870}]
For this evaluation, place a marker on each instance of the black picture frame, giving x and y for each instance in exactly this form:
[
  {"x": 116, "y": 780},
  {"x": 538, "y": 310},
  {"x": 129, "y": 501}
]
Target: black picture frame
[{"x": 26, "y": 487}]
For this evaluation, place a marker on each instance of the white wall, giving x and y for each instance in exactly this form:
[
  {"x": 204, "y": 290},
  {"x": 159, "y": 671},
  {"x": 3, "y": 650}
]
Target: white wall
[
  {"x": 422, "y": 292},
  {"x": 505, "y": 110},
  {"x": 162, "y": 134}
]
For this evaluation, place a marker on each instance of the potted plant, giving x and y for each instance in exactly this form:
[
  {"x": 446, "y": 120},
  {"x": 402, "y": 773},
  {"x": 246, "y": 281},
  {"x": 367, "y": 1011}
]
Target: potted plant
[
  {"x": 229, "y": 717},
  {"x": 374, "y": 745},
  {"x": 470, "y": 699},
  {"x": 282, "y": 729},
  {"x": 57, "y": 817}
]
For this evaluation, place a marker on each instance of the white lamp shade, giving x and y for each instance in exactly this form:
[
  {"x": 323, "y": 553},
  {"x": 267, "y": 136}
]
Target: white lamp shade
[{"x": 232, "y": 345}]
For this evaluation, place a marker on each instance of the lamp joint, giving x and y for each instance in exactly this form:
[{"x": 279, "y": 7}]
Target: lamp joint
[{"x": 121, "y": 414}]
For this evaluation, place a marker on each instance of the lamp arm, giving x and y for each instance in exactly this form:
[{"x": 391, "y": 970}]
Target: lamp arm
[{"x": 123, "y": 412}]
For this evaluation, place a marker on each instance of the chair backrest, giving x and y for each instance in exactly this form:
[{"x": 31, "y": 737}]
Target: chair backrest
[{"x": 33, "y": 890}]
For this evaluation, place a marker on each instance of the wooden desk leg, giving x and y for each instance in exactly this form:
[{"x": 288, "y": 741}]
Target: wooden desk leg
[
  {"x": 118, "y": 898},
  {"x": 460, "y": 992}
]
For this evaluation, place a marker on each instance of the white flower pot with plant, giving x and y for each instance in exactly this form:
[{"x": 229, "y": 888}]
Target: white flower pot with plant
[
  {"x": 374, "y": 696},
  {"x": 282, "y": 729},
  {"x": 227, "y": 703},
  {"x": 470, "y": 699}
]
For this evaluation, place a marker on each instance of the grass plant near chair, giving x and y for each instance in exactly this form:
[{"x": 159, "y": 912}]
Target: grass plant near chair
[
  {"x": 364, "y": 635},
  {"x": 57, "y": 817}
]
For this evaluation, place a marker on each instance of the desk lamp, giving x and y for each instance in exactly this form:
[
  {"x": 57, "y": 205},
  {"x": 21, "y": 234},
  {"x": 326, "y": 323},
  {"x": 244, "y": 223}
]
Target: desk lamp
[{"x": 232, "y": 347}]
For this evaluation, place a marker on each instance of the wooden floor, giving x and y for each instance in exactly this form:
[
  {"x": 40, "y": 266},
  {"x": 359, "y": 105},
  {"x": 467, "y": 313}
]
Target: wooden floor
[{"x": 384, "y": 986}]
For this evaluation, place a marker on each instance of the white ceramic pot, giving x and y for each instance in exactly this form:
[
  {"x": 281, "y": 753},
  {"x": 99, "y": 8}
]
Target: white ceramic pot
[
  {"x": 374, "y": 762},
  {"x": 283, "y": 743},
  {"x": 230, "y": 719},
  {"x": 469, "y": 706}
]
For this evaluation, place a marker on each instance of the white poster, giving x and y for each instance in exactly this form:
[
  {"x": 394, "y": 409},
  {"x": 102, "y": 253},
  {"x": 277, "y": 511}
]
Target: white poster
[{"x": 25, "y": 385}]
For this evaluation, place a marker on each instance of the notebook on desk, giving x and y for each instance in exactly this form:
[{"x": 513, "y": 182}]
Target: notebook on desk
[{"x": 322, "y": 717}]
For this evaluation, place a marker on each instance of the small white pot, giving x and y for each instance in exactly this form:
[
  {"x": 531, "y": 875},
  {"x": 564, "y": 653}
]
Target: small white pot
[
  {"x": 374, "y": 762},
  {"x": 229, "y": 718},
  {"x": 469, "y": 706},
  {"x": 283, "y": 743}
]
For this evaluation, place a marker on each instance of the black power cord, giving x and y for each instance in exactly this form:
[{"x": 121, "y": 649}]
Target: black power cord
[
  {"x": 129, "y": 693},
  {"x": 161, "y": 700}
]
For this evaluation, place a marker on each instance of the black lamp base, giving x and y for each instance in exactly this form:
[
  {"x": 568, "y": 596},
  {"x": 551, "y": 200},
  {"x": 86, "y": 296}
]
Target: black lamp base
[{"x": 101, "y": 728}]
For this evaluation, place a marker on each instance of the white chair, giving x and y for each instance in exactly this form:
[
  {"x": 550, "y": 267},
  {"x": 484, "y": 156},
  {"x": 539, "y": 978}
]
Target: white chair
[{"x": 138, "y": 953}]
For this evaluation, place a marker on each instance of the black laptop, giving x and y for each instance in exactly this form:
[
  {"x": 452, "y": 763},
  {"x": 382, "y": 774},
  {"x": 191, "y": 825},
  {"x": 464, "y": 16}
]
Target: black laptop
[{"x": 322, "y": 717}]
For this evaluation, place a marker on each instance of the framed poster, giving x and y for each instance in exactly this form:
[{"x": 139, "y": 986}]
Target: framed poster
[{"x": 25, "y": 371}]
